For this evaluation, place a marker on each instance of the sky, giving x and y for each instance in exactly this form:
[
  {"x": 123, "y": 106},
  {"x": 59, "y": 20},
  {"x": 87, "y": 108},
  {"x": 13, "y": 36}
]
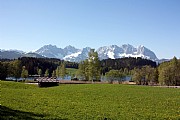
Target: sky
[{"x": 30, "y": 24}]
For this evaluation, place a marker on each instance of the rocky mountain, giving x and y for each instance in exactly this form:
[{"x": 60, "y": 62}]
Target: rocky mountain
[
  {"x": 73, "y": 54},
  {"x": 79, "y": 56},
  {"x": 126, "y": 50},
  {"x": 70, "y": 50},
  {"x": 51, "y": 51}
]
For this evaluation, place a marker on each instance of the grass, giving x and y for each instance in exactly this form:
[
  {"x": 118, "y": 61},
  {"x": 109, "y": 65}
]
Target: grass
[{"x": 88, "y": 101}]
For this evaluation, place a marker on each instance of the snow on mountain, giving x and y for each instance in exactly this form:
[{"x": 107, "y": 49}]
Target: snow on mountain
[
  {"x": 125, "y": 50},
  {"x": 111, "y": 55},
  {"x": 79, "y": 56},
  {"x": 128, "y": 49},
  {"x": 69, "y": 53},
  {"x": 109, "y": 52},
  {"x": 70, "y": 50},
  {"x": 51, "y": 51},
  {"x": 73, "y": 54},
  {"x": 148, "y": 54}
]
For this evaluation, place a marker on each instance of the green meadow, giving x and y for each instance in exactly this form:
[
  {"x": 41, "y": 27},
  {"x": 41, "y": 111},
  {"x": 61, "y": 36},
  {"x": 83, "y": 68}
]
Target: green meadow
[{"x": 88, "y": 102}]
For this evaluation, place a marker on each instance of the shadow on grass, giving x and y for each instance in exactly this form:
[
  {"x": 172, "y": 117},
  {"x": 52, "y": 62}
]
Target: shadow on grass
[{"x": 10, "y": 114}]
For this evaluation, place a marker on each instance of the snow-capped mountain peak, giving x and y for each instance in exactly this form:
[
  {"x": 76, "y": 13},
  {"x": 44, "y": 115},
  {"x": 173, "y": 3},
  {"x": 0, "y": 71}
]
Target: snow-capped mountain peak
[
  {"x": 70, "y": 53},
  {"x": 68, "y": 50},
  {"x": 51, "y": 51},
  {"x": 125, "y": 50}
]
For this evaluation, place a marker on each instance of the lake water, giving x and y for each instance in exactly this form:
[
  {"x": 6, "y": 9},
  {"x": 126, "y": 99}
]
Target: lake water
[{"x": 103, "y": 78}]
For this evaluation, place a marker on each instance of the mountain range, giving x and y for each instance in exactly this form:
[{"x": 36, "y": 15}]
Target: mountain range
[{"x": 73, "y": 54}]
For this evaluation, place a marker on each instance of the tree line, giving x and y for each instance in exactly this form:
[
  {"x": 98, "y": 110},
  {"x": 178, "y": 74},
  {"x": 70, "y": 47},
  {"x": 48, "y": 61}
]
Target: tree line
[
  {"x": 127, "y": 63},
  {"x": 142, "y": 71},
  {"x": 25, "y": 66},
  {"x": 167, "y": 73}
]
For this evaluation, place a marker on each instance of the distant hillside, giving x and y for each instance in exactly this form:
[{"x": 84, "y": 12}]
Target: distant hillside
[
  {"x": 10, "y": 54},
  {"x": 14, "y": 54}
]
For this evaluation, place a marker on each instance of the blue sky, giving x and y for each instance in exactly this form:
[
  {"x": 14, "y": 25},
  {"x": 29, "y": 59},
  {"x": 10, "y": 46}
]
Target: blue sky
[{"x": 29, "y": 24}]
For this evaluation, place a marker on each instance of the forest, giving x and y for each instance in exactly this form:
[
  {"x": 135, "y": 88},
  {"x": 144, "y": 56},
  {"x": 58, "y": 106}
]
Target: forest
[{"x": 142, "y": 71}]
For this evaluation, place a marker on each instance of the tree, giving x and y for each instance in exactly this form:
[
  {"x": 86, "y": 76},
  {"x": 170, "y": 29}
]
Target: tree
[
  {"x": 61, "y": 70},
  {"x": 169, "y": 72},
  {"x": 54, "y": 73},
  {"x": 57, "y": 71},
  {"x": 126, "y": 71},
  {"x": 175, "y": 71},
  {"x": 122, "y": 75},
  {"x": 16, "y": 69},
  {"x": 125, "y": 63},
  {"x": 93, "y": 65},
  {"x": 82, "y": 71},
  {"x": 86, "y": 69},
  {"x": 46, "y": 73},
  {"x": 89, "y": 69},
  {"x": 156, "y": 74},
  {"x": 137, "y": 76},
  {"x": 3, "y": 70},
  {"x": 39, "y": 72},
  {"x": 162, "y": 72},
  {"x": 115, "y": 75},
  {"x": 24, "y": 73},
  {"x": 145, "y": 76}
]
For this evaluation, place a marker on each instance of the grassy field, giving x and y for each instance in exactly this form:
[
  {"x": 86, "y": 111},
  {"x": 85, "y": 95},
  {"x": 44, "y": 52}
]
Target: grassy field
[{"x": 89, "y": 101}]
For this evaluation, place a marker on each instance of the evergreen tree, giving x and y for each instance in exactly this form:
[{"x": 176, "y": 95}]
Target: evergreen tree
[
  {"x": 58, "y": 71},
  {"x": 39, "y": 71},
  {"x": 54, "y": 73},
  {"x": 126, "y": 71},
  {"x": 46, "y": 73},
  {"x": 62, "y": 71}
]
